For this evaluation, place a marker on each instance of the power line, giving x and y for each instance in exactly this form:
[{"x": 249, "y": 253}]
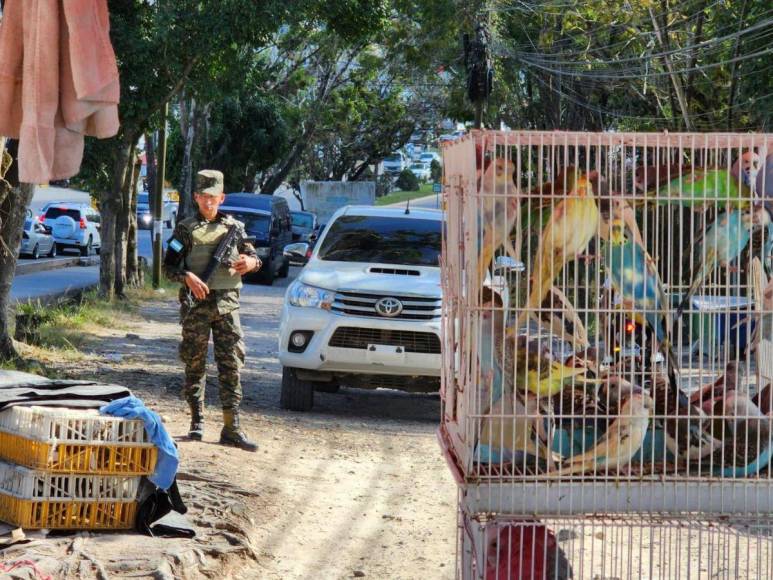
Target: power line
[{"x": 766, "y": 25}]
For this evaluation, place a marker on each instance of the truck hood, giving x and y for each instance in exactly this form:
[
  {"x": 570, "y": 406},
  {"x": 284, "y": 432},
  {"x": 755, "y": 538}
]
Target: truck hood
[{"x": 361, "y": 277}]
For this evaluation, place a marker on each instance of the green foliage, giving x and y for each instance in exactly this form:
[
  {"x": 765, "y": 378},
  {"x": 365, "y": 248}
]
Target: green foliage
[
  {"x": 436, "y": 170},
  {"x": 407, "y": 181}
]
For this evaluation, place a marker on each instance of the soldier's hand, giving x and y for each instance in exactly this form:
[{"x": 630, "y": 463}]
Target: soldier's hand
[
  {"x": 246, "y": 264},
  {"x": 197, "y": 286}
]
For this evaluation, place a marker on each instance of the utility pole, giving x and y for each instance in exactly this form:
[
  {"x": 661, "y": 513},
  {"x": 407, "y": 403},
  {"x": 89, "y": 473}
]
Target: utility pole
[
  {"x": 158, "y": 198},
  {"x": 480, "y": 75}
]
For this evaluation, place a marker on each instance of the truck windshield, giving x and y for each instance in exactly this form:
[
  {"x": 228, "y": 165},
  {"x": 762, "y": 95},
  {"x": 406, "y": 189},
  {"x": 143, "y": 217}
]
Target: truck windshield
[
  {"x": 302, "y": 220},
  {"x": 383, "y": 240},
  {"x": 255, "y": 224}
]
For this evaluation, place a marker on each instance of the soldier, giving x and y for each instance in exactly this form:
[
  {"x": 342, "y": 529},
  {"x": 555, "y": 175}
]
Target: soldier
[{"x": 215, "y": 306}]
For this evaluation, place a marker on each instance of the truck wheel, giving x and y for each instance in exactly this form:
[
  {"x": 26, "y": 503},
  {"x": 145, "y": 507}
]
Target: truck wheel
[
  {"x": 86, "y": 250},
  {"x": 297, "y": 395},
  {"x": 284, "y": 271},
  {"x": 266, "y": 274}
]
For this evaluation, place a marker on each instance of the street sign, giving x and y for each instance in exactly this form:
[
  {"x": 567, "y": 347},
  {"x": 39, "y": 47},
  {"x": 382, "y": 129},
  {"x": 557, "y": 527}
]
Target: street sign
[{"x": 437, "y": 188}]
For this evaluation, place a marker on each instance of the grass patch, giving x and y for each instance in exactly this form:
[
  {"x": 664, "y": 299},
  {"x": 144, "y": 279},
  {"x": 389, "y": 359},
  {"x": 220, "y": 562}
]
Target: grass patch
[
  {"x": 72, "y": 324},
  {"x": 396, "y": 197}
]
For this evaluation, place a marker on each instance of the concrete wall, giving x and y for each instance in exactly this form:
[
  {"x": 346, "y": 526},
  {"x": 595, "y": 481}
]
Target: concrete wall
[{"x": 325, "y": 197}]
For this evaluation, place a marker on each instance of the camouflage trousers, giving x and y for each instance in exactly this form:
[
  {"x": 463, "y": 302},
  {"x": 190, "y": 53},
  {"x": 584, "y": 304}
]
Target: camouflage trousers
[{"x": 227, "y": 338}]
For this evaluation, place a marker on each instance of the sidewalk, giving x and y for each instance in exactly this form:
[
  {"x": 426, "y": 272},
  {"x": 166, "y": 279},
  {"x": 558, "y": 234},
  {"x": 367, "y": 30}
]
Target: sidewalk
[{"x": 52, "y": 284}]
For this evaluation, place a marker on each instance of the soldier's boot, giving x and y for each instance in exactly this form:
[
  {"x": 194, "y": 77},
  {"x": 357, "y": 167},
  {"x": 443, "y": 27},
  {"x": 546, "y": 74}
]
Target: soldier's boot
[
  {"x": 232, "y": 433},
  {"x": 196, "y": 430}
]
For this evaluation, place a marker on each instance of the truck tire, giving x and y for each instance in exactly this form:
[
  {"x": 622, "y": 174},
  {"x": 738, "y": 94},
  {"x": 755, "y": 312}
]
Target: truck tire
[
  {"x": 297, "y": 395},
  {"x": 284, "y": 271},
  {"x": 87, "y": 249},
  {"x": 266, "y": 274}
]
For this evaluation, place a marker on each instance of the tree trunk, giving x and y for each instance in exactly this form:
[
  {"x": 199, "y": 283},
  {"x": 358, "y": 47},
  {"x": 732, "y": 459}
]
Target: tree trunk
[
  {"x": 122, "y": 222},
  {"x": 13, "y": 208},
  {"x": 188, "y": 127},
  {"x": 134, "y": 273},
  {"x": 111, "y": 206}
]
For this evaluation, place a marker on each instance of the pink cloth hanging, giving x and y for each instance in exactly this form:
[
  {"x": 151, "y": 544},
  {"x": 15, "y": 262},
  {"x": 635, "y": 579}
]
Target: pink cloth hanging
[{"x": 58, "y": 83}]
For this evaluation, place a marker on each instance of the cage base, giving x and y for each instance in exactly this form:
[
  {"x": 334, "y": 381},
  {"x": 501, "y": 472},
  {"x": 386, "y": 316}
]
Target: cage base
[{"x": 621, "y": 496}]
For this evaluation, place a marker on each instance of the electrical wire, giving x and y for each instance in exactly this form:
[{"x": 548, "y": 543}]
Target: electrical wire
[{"x": 766, "y": 25}]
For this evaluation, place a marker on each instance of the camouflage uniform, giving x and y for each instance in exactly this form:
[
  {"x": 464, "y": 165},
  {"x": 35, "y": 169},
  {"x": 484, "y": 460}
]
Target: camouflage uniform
[
  {"x": 218, "y": 313},
  {"x": 190, "y": 249}
]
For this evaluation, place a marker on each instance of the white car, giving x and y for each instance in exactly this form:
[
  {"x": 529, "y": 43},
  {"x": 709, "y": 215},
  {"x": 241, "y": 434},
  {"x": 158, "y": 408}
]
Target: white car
[
  {"x": 74, "y": 226},
  {"x": 422, "y": 171},
  {"x": 365, "y": 310},
  {"x": 428, "y": 157},
  {"x": 395, "y": 163}
]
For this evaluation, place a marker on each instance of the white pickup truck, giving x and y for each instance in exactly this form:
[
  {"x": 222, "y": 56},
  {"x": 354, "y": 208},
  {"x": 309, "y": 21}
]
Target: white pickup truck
[{"x": 365, "y": 310}]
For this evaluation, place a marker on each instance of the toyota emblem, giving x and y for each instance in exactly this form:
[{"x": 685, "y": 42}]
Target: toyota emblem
[{"x": 389, "y": 307}]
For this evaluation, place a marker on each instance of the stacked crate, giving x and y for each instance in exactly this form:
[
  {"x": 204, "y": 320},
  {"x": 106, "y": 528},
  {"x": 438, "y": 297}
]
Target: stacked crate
[{"x": 71, "y": 469}]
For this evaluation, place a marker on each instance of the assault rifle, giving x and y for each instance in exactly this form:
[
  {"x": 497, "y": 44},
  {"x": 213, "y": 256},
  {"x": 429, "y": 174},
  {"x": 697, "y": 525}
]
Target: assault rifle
[{"x": 221, "y": 257}]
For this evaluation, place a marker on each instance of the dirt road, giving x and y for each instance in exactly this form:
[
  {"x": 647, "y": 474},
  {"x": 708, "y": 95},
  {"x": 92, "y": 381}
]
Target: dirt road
[{"x": 357, "y": 488}]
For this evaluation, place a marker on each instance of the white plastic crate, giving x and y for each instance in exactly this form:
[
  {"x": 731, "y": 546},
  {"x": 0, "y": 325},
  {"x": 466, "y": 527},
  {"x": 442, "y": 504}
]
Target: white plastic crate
[
  {"x": 28, "y": 484},
  {"x": 52, "y": 424}
]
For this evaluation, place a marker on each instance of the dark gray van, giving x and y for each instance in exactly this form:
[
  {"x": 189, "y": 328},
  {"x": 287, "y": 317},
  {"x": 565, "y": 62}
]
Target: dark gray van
[{"x": 267, "y": 218}]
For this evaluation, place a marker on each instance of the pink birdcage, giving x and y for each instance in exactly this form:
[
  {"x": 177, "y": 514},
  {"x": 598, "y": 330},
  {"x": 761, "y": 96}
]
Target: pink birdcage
[{"x": 608, "y": 324}]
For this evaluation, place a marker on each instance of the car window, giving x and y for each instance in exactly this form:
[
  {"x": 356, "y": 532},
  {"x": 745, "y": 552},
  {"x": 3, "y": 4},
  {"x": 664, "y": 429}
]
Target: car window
[
  {"x": 54, "y": 212},
  {"x": 385, "y": 240},
  {"x": 254, "y": 224},
  {"x": 393, "y": 158},
  {"x": 302, "y": 220}
]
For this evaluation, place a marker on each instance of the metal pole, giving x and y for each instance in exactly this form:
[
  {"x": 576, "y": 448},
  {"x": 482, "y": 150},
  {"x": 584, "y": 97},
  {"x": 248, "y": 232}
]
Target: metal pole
[{"x": 158, "y": 198}]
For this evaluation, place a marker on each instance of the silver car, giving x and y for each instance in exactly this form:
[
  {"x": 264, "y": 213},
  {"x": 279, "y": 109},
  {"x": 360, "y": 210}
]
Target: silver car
[{"x": 36, "y": 240}]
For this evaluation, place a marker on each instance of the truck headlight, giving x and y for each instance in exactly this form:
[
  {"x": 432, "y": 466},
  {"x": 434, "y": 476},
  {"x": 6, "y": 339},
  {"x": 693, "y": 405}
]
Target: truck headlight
[{"x": 299, "y": 294}]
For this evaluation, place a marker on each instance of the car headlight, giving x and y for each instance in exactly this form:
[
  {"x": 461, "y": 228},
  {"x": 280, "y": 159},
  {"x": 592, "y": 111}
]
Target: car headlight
[{"x": 299, "y": 294}]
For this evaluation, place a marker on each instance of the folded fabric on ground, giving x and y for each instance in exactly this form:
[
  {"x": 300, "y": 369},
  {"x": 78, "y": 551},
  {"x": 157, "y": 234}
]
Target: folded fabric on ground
[
  {"x": 168, "y": 460},
  {"x": 26, "y": 389}
]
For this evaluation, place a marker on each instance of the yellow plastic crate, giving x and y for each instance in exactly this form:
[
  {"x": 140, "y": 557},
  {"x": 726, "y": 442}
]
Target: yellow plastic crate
[
  {"x": 96, "y": 459},
  {"x": 67, "y": 515}
]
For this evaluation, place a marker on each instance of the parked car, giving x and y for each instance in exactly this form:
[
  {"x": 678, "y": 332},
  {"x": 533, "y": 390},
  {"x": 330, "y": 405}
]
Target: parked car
[
  {"x": 272, "y": 227},
  {"x": 395, "y": 163},
  {"x": 447, "y": 137},
  {"x": 74, "y": 226},
  {"x": 304, "y": 225},
  {"x": 428, "y": 157},
  {"x": 36, "y": 240},
  {"x": 421, "y": 171},
  {"x": 145, "y": 212}
]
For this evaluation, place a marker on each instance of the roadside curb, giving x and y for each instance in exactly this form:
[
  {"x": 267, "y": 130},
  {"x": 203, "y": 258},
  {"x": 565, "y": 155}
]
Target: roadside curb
[{"x": 33, "y": 267}]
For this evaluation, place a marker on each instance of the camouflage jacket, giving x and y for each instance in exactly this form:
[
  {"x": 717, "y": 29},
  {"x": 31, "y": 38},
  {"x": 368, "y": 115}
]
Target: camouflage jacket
[{"x": 174, "y": 270}]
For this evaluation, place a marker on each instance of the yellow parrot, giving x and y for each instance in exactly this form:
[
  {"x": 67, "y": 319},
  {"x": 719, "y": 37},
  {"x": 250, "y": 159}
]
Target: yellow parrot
[{"x": 571, "y": 227}]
